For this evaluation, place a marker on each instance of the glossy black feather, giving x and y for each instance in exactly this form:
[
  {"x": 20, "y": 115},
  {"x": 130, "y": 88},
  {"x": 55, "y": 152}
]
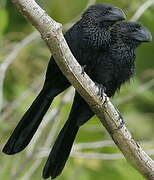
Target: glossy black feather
[{"x": 62, "y": 147}]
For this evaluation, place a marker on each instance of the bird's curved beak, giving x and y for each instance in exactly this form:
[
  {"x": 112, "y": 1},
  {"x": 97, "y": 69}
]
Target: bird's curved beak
[
  {"x": 116, "y": 14},
  {"x": 142, "y": 35}
]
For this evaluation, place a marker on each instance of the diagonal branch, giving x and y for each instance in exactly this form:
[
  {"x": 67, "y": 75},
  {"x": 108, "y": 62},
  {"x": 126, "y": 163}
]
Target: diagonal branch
[{"x": 51, "y": 32}]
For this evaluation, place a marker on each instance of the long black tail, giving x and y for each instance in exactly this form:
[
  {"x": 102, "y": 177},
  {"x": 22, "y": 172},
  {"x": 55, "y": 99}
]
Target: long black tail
[
  {"x": 80, "y": 113},
  {"x": 61, "y": 150},
  {"x": 28, "y": 125}
]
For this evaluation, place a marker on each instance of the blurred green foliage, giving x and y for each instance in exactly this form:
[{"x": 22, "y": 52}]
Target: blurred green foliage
[{"x": 138, "y": 110}]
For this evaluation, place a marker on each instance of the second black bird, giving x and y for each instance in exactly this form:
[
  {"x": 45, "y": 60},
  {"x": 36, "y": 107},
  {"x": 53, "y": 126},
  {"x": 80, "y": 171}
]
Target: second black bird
[{"x": 114, "y": 67}]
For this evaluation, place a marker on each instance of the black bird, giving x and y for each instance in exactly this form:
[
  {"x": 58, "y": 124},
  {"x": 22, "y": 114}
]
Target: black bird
[
  {"x": 86, "y": 39},
  {"x": 114, "y": 67}
]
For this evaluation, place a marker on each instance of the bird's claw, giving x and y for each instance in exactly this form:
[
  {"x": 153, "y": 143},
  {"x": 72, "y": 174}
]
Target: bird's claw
[
  {"x": 83, "y": 69},
  {"x": 101, "y": 90}
]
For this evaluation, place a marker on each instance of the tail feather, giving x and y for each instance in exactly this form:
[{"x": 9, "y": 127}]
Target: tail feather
[
  {"x": 61, "y": 150},
  {"x": 28, "y": 125},
  {"x": 80, "y": 114}
]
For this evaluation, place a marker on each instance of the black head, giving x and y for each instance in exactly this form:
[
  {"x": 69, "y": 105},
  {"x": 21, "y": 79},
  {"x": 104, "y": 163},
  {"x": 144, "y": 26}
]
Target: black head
[
  {"x": 130, "y": 32},
  {"x": 104, "y": 14}
]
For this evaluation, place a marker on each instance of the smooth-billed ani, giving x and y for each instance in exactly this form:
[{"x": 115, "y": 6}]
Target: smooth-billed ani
[
  {"x": 86, "y": 39},
  {"x": 114, "y": 67}
]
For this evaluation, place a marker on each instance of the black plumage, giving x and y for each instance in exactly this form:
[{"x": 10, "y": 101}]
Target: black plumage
[
  {"x": 114, "y": 67},
  {"x": 86, "y": 39}
]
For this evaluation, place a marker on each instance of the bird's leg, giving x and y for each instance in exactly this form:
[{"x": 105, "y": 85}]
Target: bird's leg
[
  {"x": 101, "y": 90},
  {"x": 121, "y": 119},
  {"x": 83, "y": 69}
]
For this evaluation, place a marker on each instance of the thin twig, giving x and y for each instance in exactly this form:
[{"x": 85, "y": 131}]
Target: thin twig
[
  {"x": 77, "y": 154},
  {"x": 103, "y": 156},
  {"x": 31, "y": 171},
  {"x": 142, "y": 9},
  {"x": 144, "y": 87},
  {"x": 11, "y": 57},
  {"x": 100, "y": 156},
  {"x": 20, "y": 168},
  {"x": 92, "y": 145},
  {"x": 17, "y": 102},
  {"x": 54, "y": 129},
  {"x": 51, "y": 115}
]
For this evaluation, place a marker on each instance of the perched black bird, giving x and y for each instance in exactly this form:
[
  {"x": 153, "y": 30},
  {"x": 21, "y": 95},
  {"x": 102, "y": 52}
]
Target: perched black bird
[
  {"x": 114, "y": 67},
  {"x": 86, "y": 39}
]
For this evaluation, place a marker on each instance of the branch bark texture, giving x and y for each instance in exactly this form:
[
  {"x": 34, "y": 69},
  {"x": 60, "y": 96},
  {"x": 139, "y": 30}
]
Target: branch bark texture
[{"x": 110, "y": 117}]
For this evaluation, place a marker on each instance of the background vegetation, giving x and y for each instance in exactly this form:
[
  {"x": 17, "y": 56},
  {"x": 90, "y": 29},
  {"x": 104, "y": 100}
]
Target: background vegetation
[{"x": 24, "y": 78}]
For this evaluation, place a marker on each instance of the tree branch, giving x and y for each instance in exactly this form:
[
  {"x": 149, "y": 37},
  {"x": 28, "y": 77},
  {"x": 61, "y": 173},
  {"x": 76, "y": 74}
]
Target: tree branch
[
  {"x": 88, "y": 155},
  {"x": 51, "y": 32}
]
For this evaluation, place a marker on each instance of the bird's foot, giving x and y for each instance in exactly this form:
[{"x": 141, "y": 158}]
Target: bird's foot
[
  {"x": 101, "y": 90},
  {"x": 83, "y": 70}
]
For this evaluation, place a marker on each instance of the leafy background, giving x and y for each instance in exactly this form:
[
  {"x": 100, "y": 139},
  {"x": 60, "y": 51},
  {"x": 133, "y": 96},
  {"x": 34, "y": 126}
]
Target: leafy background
[{"x": 24, "y": 78}]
